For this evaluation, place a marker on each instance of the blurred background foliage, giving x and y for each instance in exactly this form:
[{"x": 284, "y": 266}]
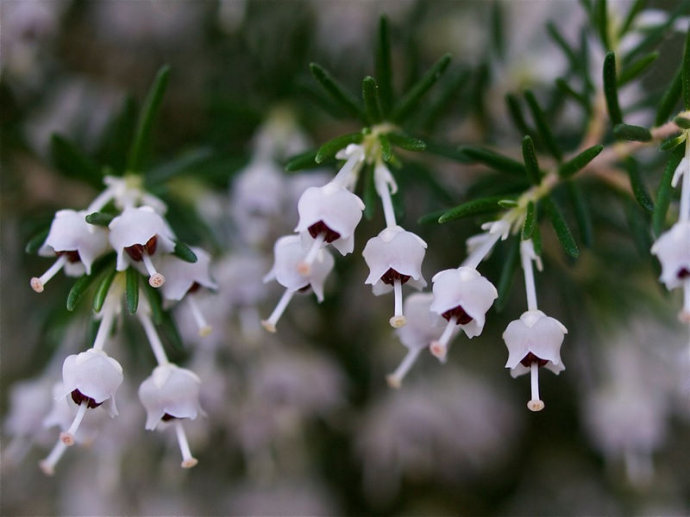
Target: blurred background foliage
[{"x": 456, "y": 439}]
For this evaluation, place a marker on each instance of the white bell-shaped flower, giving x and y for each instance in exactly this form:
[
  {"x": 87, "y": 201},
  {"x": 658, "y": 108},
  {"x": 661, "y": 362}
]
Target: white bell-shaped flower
[
  {"x": 394, "y": 258},
  {"x": 421, "y": 329},
  {"x": 330, "y": 214},
  {"x": 136, "y": 235},
  {"x": 91, "y": 378},
  {"x": 258, "y": 189},
  {"x": 183, "y": 279},
  {"x": 463, "y": 294},
  {"x": 182, "y": 276},
  {"x": 76, "y": 243},
  {"x": 534, "y": 340},
  {"x": 672, "y": 249},
  {"x": 289, "y": 254},
  {"x": 172, "y": 393},
  {"x": 287, "y": 271}
]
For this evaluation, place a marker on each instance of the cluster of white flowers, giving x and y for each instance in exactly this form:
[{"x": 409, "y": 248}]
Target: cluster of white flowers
[
  {"x": 329, "y": 215},
  {"x": 141, "y": 239}
]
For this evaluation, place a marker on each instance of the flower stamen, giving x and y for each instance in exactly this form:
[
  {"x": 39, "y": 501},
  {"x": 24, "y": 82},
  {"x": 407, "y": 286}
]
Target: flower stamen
[
  {"x": 304, "y": 267},
  {"x": 37, "y": 283},
  {"x": 270, "y": 323},
  {"x": 47, "y": 464},
  {"x": 439, "y": 348},
  {"x": 67, "y": 437},
  {"x": 188, "y": 461},
  {"x": 395, "y": 379},
  {"x": 535, "y": 404},
  {"x": 204, "y": 328},
  {"x": 398, "y": 320}
]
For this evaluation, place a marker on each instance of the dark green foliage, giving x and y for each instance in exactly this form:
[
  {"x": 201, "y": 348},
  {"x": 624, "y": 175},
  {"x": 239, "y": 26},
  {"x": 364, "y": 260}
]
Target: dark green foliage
[
  {"x": 560, "y": 226},
  {"x": 682, "y": 121},
  {"x": 100, "y": 218},
  {"x": 485, "y": 205},
  {"x": 74, "y": 164},
  {"x": 669, "y": 99},
  {"x": 328, "y": 150},
  {"x": 384, "y": 71},
  {"x": 132, "y": 289},
  {"x": 639, "y": 189},
  {"x": 505, "y": 282},
  {"x": 672, "y": 142},
  {"x": 583, "y": 217},
  {"x": 530, "y": 221},
  {"x": 386, "y": 151},
  {"x": 338, "y": 93},
  {"x": 184, "y": 252},
  {"x": 529, "y": 155},
  {"x": 636, "y": 68},
  {"x": 632, "y": 133},
  {"x": 685, "y": 71},
  {"x": 102, "y": 289},
  {"x": 493, "y": 160},
  {"x": 411, "y": 99},
  {"x": 36, "y": 241},
  {"x": 372, "y": 105},
  {"x": 148, "y": 114},
  {"x": 543, "y": 127},
  {"x": 305, "y": 160},
  {"x": 579, "y": 162},
  {"x": 516, "y": 115},
  {"x": 663, "y": 193},
  {"x": 602, "y": 21},
  {"x": 611, "y": 89},
  {"x": 406, "y": 142}
]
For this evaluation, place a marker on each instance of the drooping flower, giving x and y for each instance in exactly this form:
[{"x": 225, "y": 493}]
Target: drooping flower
[
  {"x": 330, "y": 214},
  {"x": 462, "y": 296},
  {"x": 289, "y": 254},
  {"x": 394, "y": 258},
  {"x": 76, "y": 243},
  {"x": 136, "y": 235},
  {"x": 172, "y": 393},
  {"x": 673, "y": 250},
  {"x": 534, "y": 340},
  {"x": 184, "y": 278},
  {"x": 421, "y": 329},
  {"x": 91, "y": 378}
]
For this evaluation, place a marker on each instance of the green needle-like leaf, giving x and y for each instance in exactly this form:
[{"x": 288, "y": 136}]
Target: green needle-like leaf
[
  {"x": 415, "y": 94},
  {"x": 77, "y": 291},
  {"x": 154, "y": 298},
  {"x": 305, "y": 160},
  {"x": 102, "y": 290},
  {"x": 328, "y": 150},
  {"x": 71, "y": 162},
  {"x": 149, "y": 111},
  {"x": 558, "y": 38},
  {"x": 337, "y": 92},
  {"x": 384, "y": 71},
  {"x": 611, "y": 89},
  {"x": 579, "y": 162},
  {"x": 184, "y": 252},
  {"x": 632, "y": 133},
  {"x": 369, "y": 195},
  {"x": 682, "y": 121},
  {"x": 669, "y": 99},
  {"x": 564, "y": 87},
  {"x": 672, "y": 142},
  {"x": 663, "y": 195},
  {"x": 386, "y": 150},
  {"x": 406, "y": 142},
  {"x": 36, "y": 241},
  {"x": 485, "y": 205},
  {"x": 529, "y": 154},
  {"x": 603, "y": 23},
  {"x": 494, "y": 160},
  {"x": 505, "y": 282},
  {"x": 370, "y": 95},
  {"x": 516, "y": 115},
  {"x": 638, "y": 6},
  {"x": 685, "y": 78},
  {"x": 100, "y": 218},
  {"x": 530, "y": 221},
  {"x": 560, "y": 226},
  {"x": 542, "y": 126},
  {"x": 638, "y": 187},
  {"x": 636, "y": 68},
  {"x": 132, "y": 289},
  {"x": 582, "y": 213}
]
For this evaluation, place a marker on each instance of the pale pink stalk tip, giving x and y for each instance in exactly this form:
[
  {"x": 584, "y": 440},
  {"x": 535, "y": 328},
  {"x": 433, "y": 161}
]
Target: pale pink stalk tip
[
  {"x": 156, "y": 280},
  {"x": 535, "y": 405},
  {"x": 36, "y": 284},
  {"x": 398, "y": 321}
]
